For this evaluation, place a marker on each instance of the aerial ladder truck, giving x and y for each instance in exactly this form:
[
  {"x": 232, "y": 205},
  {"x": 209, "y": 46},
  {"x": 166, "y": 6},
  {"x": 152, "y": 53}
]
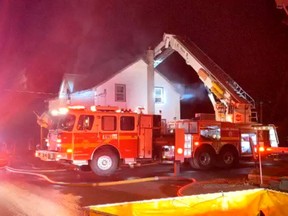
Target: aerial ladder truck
[{"x": 234, "y": 132}]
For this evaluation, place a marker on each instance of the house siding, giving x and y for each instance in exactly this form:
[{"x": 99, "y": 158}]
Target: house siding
[{"x": 134, "y": 77}]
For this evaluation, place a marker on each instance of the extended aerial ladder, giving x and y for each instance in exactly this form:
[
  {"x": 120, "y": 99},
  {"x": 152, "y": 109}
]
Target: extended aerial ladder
[
  {"x": 283, "y": 5},
  {"x": 230, "y": 102}
]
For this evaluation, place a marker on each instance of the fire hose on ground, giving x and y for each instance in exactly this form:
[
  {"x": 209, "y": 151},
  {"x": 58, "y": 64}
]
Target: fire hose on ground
[{"x": 99, "y": 184}]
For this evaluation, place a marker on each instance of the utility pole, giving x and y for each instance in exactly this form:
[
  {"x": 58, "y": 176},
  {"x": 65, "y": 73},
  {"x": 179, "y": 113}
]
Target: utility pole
[{"x": 261, "y": 111}]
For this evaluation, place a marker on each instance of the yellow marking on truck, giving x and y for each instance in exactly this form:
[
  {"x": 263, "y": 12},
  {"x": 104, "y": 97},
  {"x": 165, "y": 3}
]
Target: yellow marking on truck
[{"x": 133, "y": 137}]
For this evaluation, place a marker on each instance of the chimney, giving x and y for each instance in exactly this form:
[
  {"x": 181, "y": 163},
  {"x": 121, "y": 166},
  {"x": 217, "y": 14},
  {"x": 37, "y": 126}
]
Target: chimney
[{"x": 150, "y": 81}]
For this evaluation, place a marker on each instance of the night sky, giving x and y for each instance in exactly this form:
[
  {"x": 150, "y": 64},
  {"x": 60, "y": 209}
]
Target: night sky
[{"x": 40, "y": 40}]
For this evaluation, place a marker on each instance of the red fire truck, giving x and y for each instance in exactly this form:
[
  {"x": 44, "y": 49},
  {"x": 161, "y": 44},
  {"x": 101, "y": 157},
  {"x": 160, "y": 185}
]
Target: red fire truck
[
  {"x": 211, "y": 143},
  {"x": 102, "y": 137},
  {"x": 233, "y": 131}
]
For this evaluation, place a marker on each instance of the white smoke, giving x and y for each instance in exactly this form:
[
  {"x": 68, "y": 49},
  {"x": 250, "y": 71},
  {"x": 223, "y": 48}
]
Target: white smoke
[{"x": 195, "y": 91}]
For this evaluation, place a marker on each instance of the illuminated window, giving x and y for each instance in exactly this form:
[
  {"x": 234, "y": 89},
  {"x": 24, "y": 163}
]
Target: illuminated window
[
  {"x": 159, "y": 94},
  {"x": 120, "y": 92}
]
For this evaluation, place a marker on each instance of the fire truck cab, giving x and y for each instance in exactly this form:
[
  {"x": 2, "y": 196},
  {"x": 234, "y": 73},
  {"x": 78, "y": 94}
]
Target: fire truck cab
[{"x": 102, "y": 137}]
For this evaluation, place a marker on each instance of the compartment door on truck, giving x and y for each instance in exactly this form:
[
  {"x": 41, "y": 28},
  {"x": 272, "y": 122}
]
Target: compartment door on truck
[
  {"x": 145, "y": 136},
  {"x": 248, "y": 141},
  {"x": 128, "y": 136}
]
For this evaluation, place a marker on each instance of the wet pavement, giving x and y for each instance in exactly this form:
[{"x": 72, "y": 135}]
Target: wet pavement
[{"x": 274, "y": 172}]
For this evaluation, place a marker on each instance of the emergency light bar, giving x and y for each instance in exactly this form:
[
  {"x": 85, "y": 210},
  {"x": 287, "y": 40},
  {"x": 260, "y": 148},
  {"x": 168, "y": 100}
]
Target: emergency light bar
[
  {"x": 60, "y": 111},
  {"x": 104, "y": 108},
  {"x": 77, "y": 107},
  {"x": 264, "y": 127}
]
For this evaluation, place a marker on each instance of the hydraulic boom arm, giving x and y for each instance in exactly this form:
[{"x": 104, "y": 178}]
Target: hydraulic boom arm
[{"x": 231, "y": 103}]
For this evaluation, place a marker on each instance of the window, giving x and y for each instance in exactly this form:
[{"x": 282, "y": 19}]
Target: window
[
  {"x": 67, "y": 123},
  {"x": 127, "y": 123},
  {"x": 210, "y": 132},
  {"x": 159, "y": 94},
  {"x": 193, "y": 127},
  {"x": 120, "y": 92},
  {"x": 85, "y": 122},
  {"x": 109, "y": 123}
]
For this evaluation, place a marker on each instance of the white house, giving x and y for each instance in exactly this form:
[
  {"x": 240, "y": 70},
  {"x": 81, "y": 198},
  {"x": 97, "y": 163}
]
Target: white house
[{"x": 126, "y": 89}]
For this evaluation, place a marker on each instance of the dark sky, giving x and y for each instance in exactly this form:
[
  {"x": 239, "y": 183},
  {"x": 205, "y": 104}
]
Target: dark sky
[{"x": 42, "y": 39}]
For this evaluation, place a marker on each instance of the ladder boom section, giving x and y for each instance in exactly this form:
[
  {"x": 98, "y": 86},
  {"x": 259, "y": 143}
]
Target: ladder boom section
[
  {"x": 209, "y": 72},
  {"x": 162, "y": 56}
]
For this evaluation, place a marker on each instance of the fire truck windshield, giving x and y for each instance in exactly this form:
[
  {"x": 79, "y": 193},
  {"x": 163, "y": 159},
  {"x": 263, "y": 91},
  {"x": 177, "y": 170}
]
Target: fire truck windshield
[{"x": 65, "y": 122}]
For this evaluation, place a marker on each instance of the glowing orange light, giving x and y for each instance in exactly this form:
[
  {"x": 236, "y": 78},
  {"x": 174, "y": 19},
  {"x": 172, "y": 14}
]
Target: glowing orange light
[
  {"x": 196, "y": 143},
  {"x": 261, "y": 149},
  {"x": 179, "y": 151},
  {"x": 69, "y": 150}
]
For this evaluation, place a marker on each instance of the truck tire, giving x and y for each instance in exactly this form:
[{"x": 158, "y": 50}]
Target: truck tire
[
  {"x": 203, "y": 159},
  {"x": 193, "y": 164},
  {"x": 228, "y": 157},
  {"x": 104, "y": 162}
]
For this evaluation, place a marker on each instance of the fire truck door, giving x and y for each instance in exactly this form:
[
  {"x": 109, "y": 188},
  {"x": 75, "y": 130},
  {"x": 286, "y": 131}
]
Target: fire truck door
[
  {"x": 84, "y": 137},
  {"x": 264, "y": 140},
  {"x": 83, "y": 144},
  {"x": 128, "y": 136},
  {"x": 145, "y": 136}
]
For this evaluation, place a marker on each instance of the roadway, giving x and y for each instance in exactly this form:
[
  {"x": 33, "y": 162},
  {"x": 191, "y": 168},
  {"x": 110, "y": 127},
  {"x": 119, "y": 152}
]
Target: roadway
[{"x": 83, "y": 188}]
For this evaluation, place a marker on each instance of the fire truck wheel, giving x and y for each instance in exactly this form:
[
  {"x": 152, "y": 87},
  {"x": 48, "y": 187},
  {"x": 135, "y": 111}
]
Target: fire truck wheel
[
  {"x": 204, "y": 158},
  {"x": 228, "y": 158},
  {"x": 193, "y": 164},
  {"x": 104, "y": 162}
]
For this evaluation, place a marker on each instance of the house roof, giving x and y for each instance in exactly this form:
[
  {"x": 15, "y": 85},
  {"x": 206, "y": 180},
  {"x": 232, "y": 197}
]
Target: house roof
[
  {"x": 101, "y": 74},
  {"x": 105, "y": 72}
]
